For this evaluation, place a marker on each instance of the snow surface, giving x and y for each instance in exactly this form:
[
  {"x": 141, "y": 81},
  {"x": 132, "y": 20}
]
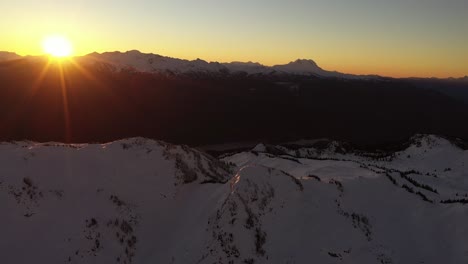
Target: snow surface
[{"x": 145, "y": 201}]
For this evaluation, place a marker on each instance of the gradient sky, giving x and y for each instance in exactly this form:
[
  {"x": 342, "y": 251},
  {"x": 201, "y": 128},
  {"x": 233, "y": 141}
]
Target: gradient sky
[{"x": 394, "y": 38}]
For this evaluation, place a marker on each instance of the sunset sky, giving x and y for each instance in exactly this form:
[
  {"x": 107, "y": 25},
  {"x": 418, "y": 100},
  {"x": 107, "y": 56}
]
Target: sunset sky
[{"x": 394, "y": 38}]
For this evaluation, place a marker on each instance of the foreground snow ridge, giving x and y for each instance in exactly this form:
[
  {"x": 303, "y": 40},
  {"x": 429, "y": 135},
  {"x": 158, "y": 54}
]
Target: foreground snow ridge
[{"x": 144, "y": 201}]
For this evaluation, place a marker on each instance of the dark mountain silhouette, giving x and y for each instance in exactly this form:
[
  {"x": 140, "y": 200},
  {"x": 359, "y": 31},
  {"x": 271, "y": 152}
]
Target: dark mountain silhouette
[
  {"x": 201, "y": 108},
  {"x": 453, "y": 87}
]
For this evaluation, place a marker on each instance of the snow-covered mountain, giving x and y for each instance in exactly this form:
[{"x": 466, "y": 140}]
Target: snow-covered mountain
[
  {"x": 145, "y": 201},
  {"x": 142, "y": 62},
  {"x": 309, "y": 67},
  {"x": 135, "y": 60},
  {"x": 152, "y": 63}
]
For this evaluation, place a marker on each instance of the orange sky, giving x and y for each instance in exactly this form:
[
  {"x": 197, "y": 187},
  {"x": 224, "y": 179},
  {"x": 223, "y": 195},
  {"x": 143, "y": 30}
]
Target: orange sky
[{"x": 424, "y": 38}]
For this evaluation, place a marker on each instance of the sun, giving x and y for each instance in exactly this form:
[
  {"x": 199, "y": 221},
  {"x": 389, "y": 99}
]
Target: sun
[{"x": 57, "y": 46}]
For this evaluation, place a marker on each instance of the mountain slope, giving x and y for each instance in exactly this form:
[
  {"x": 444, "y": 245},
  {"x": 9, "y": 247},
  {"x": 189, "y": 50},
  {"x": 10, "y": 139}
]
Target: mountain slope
[
  {"x": 145, "y": 201},
  {"x": 403, "y": 203},
  {"x": 104, "y": 203}
]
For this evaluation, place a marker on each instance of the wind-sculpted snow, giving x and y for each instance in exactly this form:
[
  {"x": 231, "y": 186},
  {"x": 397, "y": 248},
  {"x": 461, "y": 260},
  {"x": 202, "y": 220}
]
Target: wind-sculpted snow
[{"x": 145, "y": 201}]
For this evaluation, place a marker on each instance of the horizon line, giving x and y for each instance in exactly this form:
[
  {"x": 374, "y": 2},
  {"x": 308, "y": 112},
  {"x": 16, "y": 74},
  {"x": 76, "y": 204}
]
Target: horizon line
[{"x": 239, "y": 61}]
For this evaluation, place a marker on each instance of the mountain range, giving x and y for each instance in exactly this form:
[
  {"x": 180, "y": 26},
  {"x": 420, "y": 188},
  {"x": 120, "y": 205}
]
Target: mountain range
[
  {"x": 141, "y": 62},
  {"x": 153, "y": 63}
]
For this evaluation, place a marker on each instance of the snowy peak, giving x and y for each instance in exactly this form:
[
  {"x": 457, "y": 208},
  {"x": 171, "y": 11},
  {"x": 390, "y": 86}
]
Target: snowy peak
[
  {"x": 305, "y": 64},
  {"x": 153, "y": 63},
  {"x": 310, "y": 67},
  {"x": 300, "y": 66},
  {"x": 260, "y": 148},
  {"x": 427, "y": 143}
]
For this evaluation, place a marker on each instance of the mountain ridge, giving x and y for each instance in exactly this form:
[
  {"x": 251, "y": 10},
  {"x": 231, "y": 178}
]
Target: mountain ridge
[{"x": 155, "y": 63}]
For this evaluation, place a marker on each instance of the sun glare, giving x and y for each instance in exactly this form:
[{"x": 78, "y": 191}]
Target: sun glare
[{"x": 57, "y": 46}]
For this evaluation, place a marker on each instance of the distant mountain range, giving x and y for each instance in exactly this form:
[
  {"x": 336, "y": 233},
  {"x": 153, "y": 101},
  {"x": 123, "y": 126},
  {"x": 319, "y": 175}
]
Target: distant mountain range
[
  {"x": 142, "y": 62},
  {"x": 153, "y": 63}
]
